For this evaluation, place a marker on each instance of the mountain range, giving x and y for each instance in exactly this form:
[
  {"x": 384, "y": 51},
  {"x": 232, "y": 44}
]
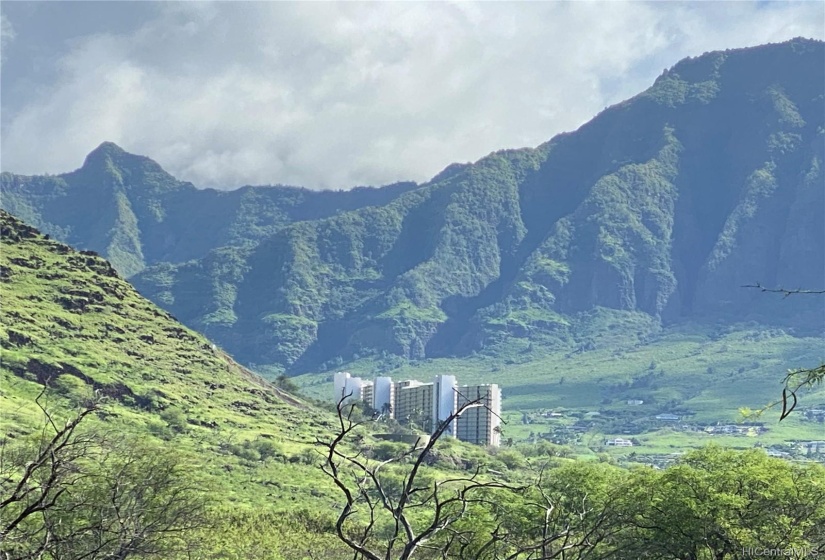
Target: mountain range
[{"x": 654, "y": 213}]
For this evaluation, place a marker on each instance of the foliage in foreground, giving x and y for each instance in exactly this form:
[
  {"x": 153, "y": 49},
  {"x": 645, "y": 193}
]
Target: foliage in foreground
[
  {"x": 72, "y": 492},
  {"x": 77, "y": 491},
  {"x": 712, "y": 504}
]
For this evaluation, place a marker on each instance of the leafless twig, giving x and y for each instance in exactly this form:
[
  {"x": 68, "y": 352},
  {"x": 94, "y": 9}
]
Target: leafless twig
[{"x": 780, "y": 290}]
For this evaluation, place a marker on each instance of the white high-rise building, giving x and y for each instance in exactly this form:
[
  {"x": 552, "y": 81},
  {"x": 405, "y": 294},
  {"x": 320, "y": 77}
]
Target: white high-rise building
[
  {"x": 384, "y": 396},
  {"x": 339, "y": 381},
  {"x": 480, "y": 424},
  {"x": 351, "y": 388},
  {"x": 367, "y": 395},
  {"x": 414, "y": 403},
  {"x": 444, "y": 401},
  {"x": 427, "y": 405}
]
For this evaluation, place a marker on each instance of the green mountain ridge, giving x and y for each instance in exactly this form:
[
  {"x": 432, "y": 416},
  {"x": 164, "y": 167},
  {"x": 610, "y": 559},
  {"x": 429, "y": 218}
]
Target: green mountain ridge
[
  {"x": 127, "y": 208},
  {"x": 656, "y": 212},
  {"x": 660, "y": 208}
]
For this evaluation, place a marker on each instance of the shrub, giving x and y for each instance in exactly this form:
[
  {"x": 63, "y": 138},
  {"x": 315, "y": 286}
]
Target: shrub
[
  {"x": 388, "y": 450},
  {"x": 73, "y": 388},
  {"x": 511, "y": 458},
  {"x": 175, "y": 419},
  {"x": 266, "y": 449}
]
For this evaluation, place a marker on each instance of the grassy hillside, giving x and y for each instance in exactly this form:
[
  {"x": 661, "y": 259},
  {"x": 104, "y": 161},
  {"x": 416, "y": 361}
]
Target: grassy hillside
[
  {"x": 67, "y": 319},
  {"x": 70, "y": 324}
]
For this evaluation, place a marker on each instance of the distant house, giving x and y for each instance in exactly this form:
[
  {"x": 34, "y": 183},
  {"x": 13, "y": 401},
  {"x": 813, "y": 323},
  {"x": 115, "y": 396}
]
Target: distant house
[
  {"x": 735, "y": 430},
  {"x": 619, "y": 442},
  {"x": 723, "y": 429},
  {"x": 777, "y": 453},
  {"x": 635, "y": 402},
  {"x": 667, "y": 417},
  {"x": 812, "y": 447}
]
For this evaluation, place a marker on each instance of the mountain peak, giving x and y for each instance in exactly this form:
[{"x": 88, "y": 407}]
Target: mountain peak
[
  {"x": 109, "y": 152},
  {"x": 108, "y": 149},
  {"x": 109, "y": 158}
]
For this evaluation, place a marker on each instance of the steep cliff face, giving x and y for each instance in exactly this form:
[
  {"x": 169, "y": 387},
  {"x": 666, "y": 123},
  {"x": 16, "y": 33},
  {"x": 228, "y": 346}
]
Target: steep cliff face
[
  {"x": 100, "y": 206},
  {"x": 708, "y": 181},
  {"x": 659, "y": 210}
]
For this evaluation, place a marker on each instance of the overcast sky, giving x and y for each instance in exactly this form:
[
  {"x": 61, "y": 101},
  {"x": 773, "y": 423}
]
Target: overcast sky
[{"x": 341, "y": 94}]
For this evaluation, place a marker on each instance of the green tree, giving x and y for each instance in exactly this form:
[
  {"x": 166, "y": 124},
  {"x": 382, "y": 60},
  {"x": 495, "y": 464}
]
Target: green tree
[
  {"x": 78, "y": 493},
  {"x": 714, "y": 503}
]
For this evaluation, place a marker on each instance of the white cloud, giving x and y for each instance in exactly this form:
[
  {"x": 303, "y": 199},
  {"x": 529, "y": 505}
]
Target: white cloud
[
  {"x": 335, "y": 95},
  {"x": 7, "y": 33}
]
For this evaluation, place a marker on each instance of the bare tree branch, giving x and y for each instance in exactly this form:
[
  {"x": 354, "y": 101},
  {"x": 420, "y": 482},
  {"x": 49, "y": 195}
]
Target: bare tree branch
[
  {"x": 80, "y": 494},
  {"x": 428, "y": 517},
  {"x": 780, "y": 290},
  {"x": 795, "y": 379}
]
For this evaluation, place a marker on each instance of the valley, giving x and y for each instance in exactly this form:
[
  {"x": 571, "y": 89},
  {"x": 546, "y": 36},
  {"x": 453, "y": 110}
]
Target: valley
[{"x": 705, "y": 377}]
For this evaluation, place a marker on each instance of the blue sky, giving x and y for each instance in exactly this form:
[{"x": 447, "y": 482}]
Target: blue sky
[{"x": 333, "y": 95}]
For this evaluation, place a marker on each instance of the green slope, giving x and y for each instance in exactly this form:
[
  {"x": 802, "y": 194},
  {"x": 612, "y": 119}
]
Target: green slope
[
  {"x": 67, "y": 319},
  {"x": 69, "y": 322}
]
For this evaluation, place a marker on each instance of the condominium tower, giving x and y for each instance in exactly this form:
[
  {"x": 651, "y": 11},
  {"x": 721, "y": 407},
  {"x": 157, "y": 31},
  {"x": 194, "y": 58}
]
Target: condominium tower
[{"x": 426, "y": 405}]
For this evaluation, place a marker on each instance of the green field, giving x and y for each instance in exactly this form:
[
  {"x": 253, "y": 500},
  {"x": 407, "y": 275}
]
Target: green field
[{"x": 703, "y": 375}]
